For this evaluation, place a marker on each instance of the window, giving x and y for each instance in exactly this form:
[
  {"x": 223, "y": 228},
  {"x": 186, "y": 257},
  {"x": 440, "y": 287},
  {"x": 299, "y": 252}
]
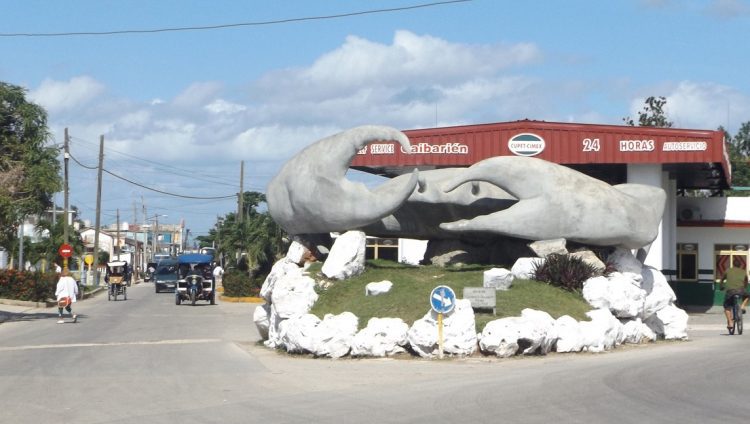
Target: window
[
  {"x": 729, "y": 256},
  {"x": 382, "y": 248},
  {"x": 687, "y": 261}
]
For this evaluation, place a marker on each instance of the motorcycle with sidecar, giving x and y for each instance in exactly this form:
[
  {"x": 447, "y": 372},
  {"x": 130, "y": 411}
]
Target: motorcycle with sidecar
[
  {"x": 196, "y": 280},
  {"x": 116, "y": 278}
]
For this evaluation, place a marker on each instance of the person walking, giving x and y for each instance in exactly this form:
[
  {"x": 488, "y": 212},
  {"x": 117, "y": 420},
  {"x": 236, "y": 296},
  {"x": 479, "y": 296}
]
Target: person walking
[
  {"x": 218, "y": 275},
  {"x": 66, "y": 294}
]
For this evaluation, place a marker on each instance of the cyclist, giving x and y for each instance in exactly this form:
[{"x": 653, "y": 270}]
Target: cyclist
[{"x": 734, "y": 282}]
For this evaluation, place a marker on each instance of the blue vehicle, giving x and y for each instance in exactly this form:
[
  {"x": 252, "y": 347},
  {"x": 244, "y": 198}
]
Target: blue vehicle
[{"x": 196, "y": 280}]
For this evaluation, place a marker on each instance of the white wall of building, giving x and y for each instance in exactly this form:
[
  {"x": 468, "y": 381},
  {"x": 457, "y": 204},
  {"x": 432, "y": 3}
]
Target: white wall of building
[
  {"x": 411, "y": 251},
  {"x": 652, "y": 174}
]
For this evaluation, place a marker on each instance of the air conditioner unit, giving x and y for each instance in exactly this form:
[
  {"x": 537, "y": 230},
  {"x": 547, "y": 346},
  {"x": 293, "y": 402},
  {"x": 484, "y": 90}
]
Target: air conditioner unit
[{"x": 690, "y": 213}]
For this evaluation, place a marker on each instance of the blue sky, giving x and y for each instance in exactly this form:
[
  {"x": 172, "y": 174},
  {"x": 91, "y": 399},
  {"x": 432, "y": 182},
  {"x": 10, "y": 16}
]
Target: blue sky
[{"x": 180, "y": 110}]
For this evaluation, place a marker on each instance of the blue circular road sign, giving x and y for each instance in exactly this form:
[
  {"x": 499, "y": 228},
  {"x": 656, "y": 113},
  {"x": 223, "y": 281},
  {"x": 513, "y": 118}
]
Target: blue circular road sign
[{"x": 442, "y": 299}]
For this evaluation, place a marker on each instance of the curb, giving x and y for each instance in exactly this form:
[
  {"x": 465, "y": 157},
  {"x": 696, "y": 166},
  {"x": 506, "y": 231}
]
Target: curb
[
  {"x": 241, "y": 299},
  {"x": 48, "y": 303}
]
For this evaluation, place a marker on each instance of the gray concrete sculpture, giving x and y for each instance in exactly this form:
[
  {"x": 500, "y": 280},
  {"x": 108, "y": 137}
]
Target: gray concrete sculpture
[{"x": 511, "y": 196}]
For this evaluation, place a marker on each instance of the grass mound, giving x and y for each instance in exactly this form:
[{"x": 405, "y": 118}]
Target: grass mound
[{"x": 409, "y": 297}]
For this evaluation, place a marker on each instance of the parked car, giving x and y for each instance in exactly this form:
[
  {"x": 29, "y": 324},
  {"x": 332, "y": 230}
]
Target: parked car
[{"x": 165, "y": 277}]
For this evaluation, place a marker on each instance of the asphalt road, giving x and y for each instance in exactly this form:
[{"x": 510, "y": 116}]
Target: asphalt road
[{"x": 147, "y": 360}]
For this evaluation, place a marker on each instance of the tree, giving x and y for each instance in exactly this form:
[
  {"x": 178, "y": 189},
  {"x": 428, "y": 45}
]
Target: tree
[
  {"x": 29, "y": 168},
  {"x": 739, "y": 149},
  {"x": 652, "y": 115},
  {"x": 253, "y": 243}
]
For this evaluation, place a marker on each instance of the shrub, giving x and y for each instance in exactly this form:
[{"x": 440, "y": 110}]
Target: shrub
[
  {"x": 23, "y": 285},
  {"x": 564, "y": 271},
  {"x": 238, "y": 284}
]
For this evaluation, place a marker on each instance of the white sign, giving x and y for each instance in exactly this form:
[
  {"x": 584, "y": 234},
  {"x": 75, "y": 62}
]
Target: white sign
[
  {"x": 637, "y": 145},
  {"x": 526, "y": 144},
  {"x": 684, "y": 146}
]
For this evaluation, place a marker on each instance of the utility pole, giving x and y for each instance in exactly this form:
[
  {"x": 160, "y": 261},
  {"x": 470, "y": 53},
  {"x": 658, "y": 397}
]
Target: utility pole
[
  {"x": 240, "y": 199},
  {"x": 118, "y": 234},
  {"x": 98, "y": 209},
  {"x": 145, "y": 236},
  {"x": 66, "y": 157}
]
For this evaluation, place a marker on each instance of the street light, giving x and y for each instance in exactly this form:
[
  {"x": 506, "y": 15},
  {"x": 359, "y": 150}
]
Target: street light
[{"x": 156, "y": 232}]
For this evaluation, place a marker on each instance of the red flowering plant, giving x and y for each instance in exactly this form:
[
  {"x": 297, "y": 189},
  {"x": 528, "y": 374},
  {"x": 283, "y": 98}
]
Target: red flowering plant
[{"x": 23, "y": 285}]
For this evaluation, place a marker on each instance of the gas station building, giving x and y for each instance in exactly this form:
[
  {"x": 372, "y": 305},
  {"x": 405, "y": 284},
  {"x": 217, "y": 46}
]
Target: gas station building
[{"x": 701, "y": 233}]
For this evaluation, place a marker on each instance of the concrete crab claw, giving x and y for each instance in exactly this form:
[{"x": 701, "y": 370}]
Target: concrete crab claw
[
  {"x": 312, "y": 195},
  {"x": 555, "y": 201}
]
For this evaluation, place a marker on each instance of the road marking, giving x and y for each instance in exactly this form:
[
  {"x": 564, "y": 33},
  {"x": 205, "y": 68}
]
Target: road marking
[{"x": 139, "y": 343}]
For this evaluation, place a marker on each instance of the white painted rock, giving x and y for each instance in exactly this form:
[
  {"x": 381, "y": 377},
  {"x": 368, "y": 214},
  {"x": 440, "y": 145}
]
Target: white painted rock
[
  {"x": 293, "y": 295},
  {"x": 334, "y": 335},
  {"x": 261, "y": 319},
  {"x": 347, "y": 256},
  {"x": 568, "y": 335},
  {"x": 297, "y": 253},
  {"x": 374, "y": 289},
  {"x": 281, "y": 268},
  {"x": 298, "y": 334},
  {"x": 500, "y": 337},
  {"x": 524, "y": 267},
  {"x": 670, "y": 322},
  {"x": 659, "y": 293},
  {"x": 602, "y": 333},
  {"x": 536, "y": 332},
  {"x": 459, "y": 332},
  {"x": 635, "y": 331},
  {"x": 618, "y": 292},
  {"x": 498, "y": 279},
  {"x": 381, "y": 337}
]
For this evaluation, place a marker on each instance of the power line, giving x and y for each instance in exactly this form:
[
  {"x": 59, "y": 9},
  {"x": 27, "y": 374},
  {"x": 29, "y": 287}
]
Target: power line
[
  {"x": 169, "y": 168},
  {"x": 153, "y": 189},
  {"x": 223, "y": 26}
]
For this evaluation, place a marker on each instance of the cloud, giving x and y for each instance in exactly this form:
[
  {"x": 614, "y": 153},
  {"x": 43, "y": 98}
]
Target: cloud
[
  {"x": 700, "y": 105},
  {"x": 728, "y": 9},
  {"x": 66, "y": 96}
]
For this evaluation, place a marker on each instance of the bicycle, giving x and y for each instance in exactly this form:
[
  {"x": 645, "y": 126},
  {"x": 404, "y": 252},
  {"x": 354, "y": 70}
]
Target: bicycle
[{"x": 736, "y": 314}]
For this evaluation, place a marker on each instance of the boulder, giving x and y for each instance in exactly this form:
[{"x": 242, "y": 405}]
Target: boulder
[
  {"x": 374, "y": 289},
  {"x": 543, "y": 248},
  {"x": 590, "y": 258},
  {"x": 261, "y": 319},
  {"x": 635, "y": 331},
  {"x": 602, "y": 333},
  {"x": 618, "y": 292},
  {"x": 381, "y": 337},
  {"x": 498, "y": 279},
  {"x": 500, "y": 337},
  {"x": 298, "y": 334},
  {"x": 293, "y": 295},
  {"x": 297, "y": 253},
  {"x": 537, "y": 332},
  {"x": 659, "y": 293},
  {"x": 280, "y": 269},
  {"x": 334, "y": 335},
  {"x": 347, "y": 256},
  {"x": 669, "y": 322},
  {"x": 524, "y": 267},
  {"x": 623, "y": 260},
  {"x": 568, "y": 334},
  {"x": 459, "y": 332}
]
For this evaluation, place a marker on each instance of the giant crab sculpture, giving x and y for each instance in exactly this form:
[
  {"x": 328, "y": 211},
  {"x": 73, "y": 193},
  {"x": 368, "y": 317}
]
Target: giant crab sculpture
[{"x": 510, "y": 196}]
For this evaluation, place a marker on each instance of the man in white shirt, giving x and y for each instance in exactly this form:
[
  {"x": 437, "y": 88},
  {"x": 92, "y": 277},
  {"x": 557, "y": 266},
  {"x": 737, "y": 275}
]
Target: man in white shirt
[
  {"x": 218, "y": 273},
  {"x": 66, "y": 294}
]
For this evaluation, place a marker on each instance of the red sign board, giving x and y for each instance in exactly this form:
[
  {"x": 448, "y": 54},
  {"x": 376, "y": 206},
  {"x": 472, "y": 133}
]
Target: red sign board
[{"x": 65, "y": 250}]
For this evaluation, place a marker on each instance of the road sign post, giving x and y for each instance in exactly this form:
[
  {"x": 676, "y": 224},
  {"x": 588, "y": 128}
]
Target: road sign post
[
  {"x": 442, "y": 301},
  {"x": 65, "y": 251}
]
